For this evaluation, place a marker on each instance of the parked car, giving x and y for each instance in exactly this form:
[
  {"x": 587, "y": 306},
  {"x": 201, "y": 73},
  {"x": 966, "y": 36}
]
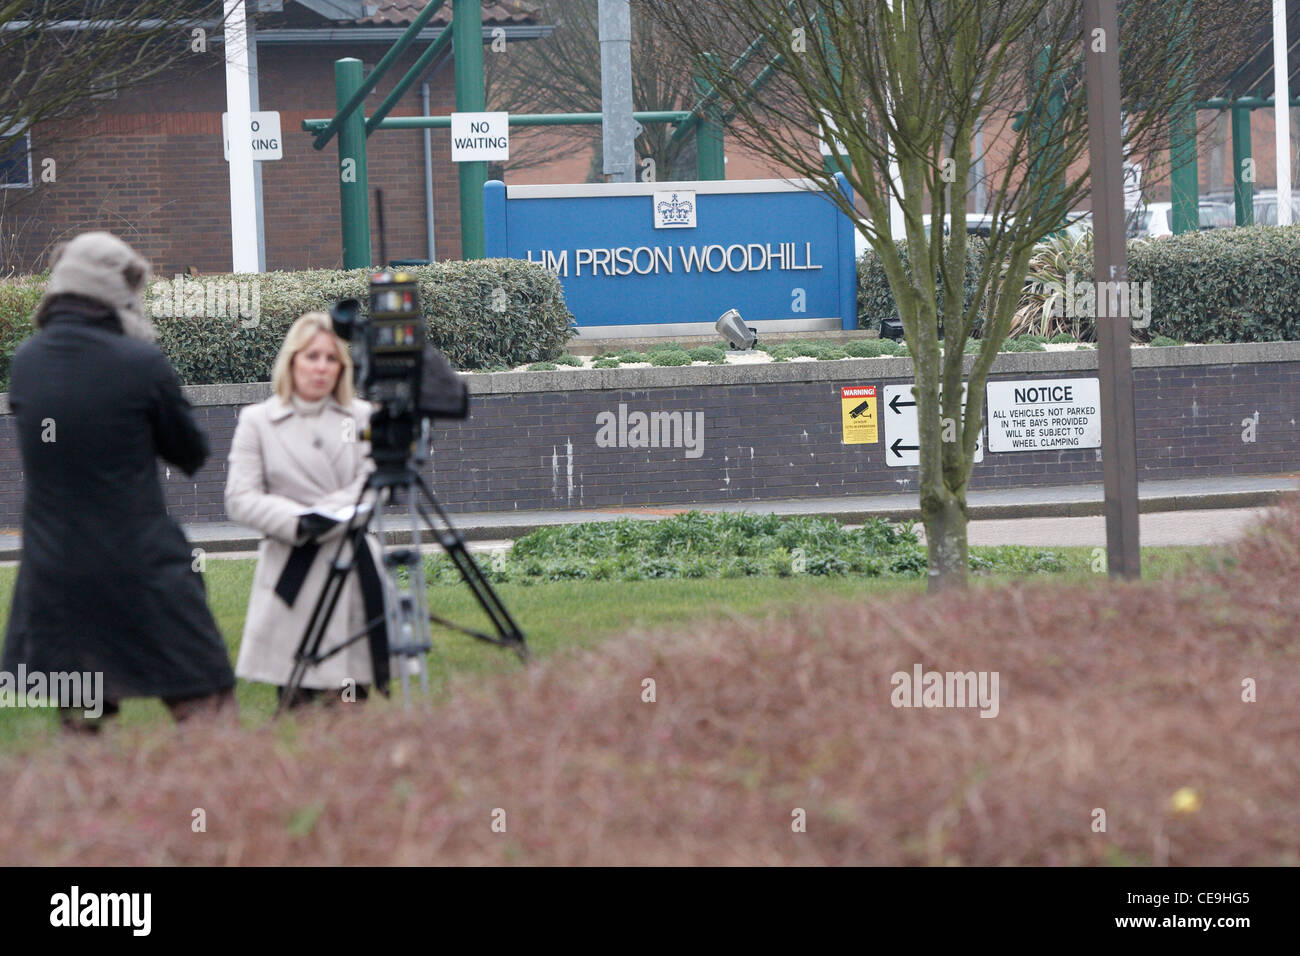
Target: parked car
[
  {"x": 1266, "y": 209},
  {"x": 977, "y": 224},
  {"x": 1265, "y": 203},
  {"x": 1156, "y": 219}
]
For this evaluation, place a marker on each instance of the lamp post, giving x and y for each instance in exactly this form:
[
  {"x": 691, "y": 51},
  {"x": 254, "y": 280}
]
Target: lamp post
[{"x": 1114, "y": 361}]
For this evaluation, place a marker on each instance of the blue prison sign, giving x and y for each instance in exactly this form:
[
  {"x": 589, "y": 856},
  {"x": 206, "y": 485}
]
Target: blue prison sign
[{"x": 670, "y": 258}]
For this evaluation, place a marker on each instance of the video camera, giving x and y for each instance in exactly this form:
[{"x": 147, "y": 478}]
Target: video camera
[{"x": 396, "y": 369}]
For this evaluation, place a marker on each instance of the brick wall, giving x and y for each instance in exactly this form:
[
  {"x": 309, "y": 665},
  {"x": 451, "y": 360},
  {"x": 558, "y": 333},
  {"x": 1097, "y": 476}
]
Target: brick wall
[
  {"x": 148, "y": 167},
  {"x": 774, "y": 432}
]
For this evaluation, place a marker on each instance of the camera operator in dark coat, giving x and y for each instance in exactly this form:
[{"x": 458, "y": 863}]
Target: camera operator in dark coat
[{"x": 106, "y": 582}]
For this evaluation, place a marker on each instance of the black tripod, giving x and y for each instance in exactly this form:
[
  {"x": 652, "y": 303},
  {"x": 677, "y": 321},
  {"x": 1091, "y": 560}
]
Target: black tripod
[{"x": 405, "y": 611}]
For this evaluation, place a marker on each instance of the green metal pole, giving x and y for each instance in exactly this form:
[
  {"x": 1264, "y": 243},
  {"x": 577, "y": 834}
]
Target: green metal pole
[
  {"x": 467, "y": 47},
  {"x": 354, "y": 198},
  {"x": 389, "y": 58},
  {"x": 832, "y": 162},
  {"x": 1184, "y": 179},
  {"x": 710, "y": 163},
  {"x": 1183, "y": 175},
  {"x": 1243, "y": 191},
  {"x": 516, "y": 119},
  {"x": 413, "y": 74},
  {"x": 1046, "y": 168}
]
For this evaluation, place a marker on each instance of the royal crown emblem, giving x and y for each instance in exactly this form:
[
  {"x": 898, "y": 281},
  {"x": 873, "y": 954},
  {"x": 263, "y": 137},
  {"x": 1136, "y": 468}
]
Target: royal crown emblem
[{"x": 674, "y": 210}]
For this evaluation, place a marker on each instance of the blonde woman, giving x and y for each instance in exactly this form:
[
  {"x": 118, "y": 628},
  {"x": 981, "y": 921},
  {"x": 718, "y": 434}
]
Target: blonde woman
[{"x": 296, "y": 459}]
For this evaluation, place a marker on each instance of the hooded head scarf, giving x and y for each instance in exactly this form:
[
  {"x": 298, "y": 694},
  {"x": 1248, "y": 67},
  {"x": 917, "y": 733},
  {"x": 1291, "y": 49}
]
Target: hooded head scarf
[{"x": 103, "y": 268}]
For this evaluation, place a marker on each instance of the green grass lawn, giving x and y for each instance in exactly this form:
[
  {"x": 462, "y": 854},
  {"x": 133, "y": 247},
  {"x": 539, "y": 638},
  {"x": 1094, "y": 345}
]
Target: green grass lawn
[{"x": 559, "y": 614}]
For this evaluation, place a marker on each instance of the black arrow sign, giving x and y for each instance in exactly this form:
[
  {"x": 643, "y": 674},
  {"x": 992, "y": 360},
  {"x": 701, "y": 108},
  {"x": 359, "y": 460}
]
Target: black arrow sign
[
  {"x": 898, "y": 448},
  {"x": 894, "y": 405}
]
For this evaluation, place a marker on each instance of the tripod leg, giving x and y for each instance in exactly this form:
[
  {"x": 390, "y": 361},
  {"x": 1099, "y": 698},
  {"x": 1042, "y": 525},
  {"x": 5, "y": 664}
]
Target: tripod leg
[
  {"x": 508, "y": 632},
  {"x": 309, "y": 646}
]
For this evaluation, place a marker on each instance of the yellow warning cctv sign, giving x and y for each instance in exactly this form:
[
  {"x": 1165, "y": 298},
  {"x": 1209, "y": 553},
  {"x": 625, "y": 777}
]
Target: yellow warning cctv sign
[{"x": 858, "y": 409}]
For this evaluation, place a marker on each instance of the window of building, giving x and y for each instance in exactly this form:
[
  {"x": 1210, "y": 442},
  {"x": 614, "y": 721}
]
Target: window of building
[{"x": 15, "y": 157}]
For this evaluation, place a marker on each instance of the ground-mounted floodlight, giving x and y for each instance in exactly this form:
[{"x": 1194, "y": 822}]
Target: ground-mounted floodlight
[
  {"x": 732, "y": 328},
  {"x": 892, "y": 327}
]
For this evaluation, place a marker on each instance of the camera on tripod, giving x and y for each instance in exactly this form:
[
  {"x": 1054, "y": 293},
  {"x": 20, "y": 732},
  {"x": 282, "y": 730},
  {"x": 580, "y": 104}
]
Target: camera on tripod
[
  {"x": 408, "y": 382},
  {"x": 397, "y": 370}
]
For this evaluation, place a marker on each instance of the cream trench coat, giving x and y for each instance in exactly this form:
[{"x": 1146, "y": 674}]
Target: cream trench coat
[{"x": 281, "y": 462}]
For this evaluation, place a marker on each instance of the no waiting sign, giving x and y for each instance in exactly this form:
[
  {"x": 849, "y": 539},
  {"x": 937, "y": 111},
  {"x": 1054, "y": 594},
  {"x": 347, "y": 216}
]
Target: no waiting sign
[{"x": 1044, "y": 414}]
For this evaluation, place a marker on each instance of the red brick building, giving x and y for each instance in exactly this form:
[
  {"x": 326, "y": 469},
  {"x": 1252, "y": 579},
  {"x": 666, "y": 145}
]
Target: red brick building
[{"x": 148, "y": 164}]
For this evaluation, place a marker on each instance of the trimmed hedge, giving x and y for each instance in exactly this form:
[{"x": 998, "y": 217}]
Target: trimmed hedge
[
  {"x": 483, "y": 314},
  {"x": 1233, "y": 285},
  {"x": 876, "y": 301},
  {"x": 1220, "y": 285}
]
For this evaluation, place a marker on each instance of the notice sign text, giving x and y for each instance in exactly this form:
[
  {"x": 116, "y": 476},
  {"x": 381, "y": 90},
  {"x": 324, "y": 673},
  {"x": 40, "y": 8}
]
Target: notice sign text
[{"x": 1044, "y": 415}]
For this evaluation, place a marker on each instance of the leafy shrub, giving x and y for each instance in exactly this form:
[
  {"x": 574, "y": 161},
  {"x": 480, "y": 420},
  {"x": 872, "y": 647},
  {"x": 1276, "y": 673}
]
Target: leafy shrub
[
  {"x": 708, "y": 353},
  {"x": 1061, "y": 338},
  {"x": 457, "y": 299},
  {"x": 1233, "y": 285},
  {"x": 730, "y": 545},
  {"x": 869, "y": 348},
  {"x": 571, "y": 360},
  {"x": 630, "y": 357},
  {"x": 670, "y": 357},
  {"x": 605, "y": 363},
  {"x": 1164, "y": 340},
  {"x": 1021, "y": 345},
  {"x": 1229, "y": 285},
  {"x": 1043, "y": 302}
]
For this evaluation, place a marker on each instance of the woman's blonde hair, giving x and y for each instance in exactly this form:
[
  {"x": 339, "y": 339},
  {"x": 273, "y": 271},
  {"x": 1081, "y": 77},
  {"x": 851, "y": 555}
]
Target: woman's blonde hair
[{"x": 308, "y": 325}]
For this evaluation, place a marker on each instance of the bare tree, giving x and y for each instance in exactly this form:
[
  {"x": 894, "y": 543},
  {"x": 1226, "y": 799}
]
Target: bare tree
[
  {"x": 58, "y": 56},
  {"x": 561, "y": 74},
  {"x": 897, "y": 88}
]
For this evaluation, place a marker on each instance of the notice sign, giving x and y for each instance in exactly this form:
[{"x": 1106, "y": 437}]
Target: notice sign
[
  {"x": 858, "y": 410},
  {"x": 480, "y": 137},
  {"x": 264, "y": 130},
  {"x": 1045, "y": 414}
]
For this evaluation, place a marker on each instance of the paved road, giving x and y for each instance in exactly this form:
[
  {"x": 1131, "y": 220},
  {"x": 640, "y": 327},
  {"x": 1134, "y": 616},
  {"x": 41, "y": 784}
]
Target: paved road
[
  {"x": 1158, "y": 529},
  {"x": 1182, "y": 511}
]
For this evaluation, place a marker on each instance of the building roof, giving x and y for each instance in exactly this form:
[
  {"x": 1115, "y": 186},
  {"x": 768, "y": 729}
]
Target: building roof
[{"x": 398, "y": 13}]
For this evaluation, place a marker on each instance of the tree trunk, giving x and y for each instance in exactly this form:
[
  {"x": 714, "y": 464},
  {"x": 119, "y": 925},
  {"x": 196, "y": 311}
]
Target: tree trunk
[{"x": 945, "y": 535}]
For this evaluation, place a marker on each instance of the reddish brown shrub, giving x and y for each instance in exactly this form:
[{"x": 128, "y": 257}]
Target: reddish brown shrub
[{"x": 1112, "y": 696}]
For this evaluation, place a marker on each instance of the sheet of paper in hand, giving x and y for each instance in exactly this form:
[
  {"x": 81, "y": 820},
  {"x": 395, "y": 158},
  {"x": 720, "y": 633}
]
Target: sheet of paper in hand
[{"x": 352, "y": 514}]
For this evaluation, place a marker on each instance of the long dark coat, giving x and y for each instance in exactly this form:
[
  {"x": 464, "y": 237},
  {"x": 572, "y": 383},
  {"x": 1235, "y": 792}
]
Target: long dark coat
[{"x": 106, "y": 581}]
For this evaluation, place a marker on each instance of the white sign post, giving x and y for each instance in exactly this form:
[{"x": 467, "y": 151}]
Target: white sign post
[
  {"x": 480, "y": 137},
  {"x": 243, "y": 196},
  {"x": 1044, "y": 414},
  {"x": 264, "y": 130},
  {"x": 902, "y": 434}
]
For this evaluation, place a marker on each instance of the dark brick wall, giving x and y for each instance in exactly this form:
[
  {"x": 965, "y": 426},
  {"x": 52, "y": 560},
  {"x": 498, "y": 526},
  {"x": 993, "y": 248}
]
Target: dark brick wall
[{"x": 530, "y": 450}]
